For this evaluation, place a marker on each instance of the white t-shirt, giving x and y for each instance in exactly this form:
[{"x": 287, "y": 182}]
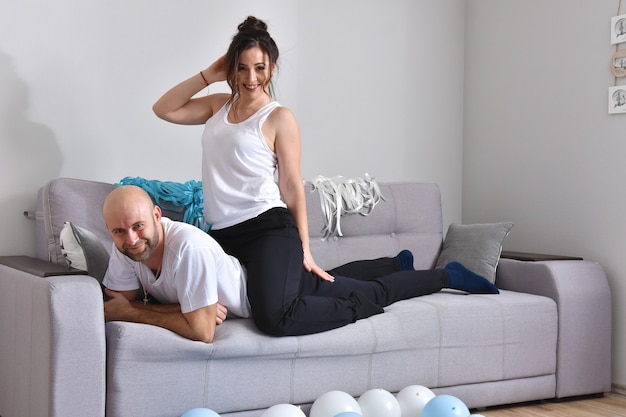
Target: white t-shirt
[{"x": 195, "y": 273}]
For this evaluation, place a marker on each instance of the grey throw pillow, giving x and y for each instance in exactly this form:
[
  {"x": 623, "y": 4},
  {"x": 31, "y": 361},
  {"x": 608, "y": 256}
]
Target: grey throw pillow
[
  {"x": 475, "y": 246},
  {"x": 83, "y": 250}
]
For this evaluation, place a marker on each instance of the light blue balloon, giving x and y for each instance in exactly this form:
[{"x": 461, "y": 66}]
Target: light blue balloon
[
  {"x": 348, "y": 414},
  {"x": 200, "y": 412},
  {"x": 445, "y": 406}
]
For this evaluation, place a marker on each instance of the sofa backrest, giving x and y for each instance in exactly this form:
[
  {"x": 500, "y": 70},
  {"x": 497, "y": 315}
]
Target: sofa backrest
[
  {"x": 68, "y": 199},
  {"x": 408, "y": 217}
]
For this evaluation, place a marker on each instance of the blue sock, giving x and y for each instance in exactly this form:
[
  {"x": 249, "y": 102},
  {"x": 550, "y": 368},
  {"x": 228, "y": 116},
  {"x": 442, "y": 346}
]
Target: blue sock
[
  {"x": 463, "y": 279},
  {"x": 405, "y": 260}
]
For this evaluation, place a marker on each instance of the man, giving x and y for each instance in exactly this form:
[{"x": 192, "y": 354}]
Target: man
[{"x": 176, "y": 263}]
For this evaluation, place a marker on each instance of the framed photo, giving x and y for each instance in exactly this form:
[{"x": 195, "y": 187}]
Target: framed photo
[
  {"x": 618, "y": 63},
  {"x": 617, "y": 99},
  {"x": 618, "y": 29}
]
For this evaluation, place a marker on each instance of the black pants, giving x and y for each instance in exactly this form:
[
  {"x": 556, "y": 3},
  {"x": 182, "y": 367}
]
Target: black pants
[{"x": 287, "y": 300}]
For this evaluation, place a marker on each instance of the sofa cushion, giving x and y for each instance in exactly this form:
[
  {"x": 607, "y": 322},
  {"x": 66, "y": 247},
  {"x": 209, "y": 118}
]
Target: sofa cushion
[{"x": 476, "y": 246}]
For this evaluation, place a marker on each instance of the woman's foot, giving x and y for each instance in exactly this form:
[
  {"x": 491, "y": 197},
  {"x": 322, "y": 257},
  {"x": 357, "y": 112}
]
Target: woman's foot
[
  {"x": 405, "y": 260},
  {"x": 463, "y": 279}
]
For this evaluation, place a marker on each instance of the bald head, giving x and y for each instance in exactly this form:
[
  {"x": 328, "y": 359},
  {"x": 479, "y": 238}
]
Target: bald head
[
  {"x": 133, "y": 221},
  {"x": 126, "y": 198}
]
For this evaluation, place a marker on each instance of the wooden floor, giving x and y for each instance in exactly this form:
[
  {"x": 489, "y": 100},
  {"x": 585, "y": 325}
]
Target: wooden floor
[{"x": 608, "y": 406}]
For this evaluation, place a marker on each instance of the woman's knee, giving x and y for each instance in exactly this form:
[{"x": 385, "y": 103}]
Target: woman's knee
[{"x": 270, "y": 327}]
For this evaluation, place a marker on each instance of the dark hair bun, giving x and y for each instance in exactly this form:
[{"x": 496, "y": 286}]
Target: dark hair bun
[{"x": 252, "y": 23}]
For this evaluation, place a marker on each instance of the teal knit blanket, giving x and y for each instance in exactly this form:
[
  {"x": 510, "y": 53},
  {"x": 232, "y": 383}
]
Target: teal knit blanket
[{"x": 187, "y": 195}]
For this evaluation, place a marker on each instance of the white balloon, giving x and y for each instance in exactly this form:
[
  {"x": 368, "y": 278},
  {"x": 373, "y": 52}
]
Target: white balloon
[
  {"x": 283, "y": 410},
  {"x": 379, "y": 403},
  {"x": 332, "y": 403},
  {"x": 412, "y": 400}
]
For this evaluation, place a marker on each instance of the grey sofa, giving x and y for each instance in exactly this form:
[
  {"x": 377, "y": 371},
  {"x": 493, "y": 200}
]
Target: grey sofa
[{"x": 546, "y": 335}]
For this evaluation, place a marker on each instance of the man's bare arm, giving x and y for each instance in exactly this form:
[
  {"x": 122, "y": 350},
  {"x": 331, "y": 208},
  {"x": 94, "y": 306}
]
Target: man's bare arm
[
  {"x": 221, "y": 313},
  {"x": 196, "y": 325},
  {"x": 220, "y": 316}
]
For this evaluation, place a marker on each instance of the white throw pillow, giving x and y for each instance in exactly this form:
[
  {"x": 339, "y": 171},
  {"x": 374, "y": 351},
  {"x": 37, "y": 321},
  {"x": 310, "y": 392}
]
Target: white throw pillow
[{"x": 83, "y": 250}]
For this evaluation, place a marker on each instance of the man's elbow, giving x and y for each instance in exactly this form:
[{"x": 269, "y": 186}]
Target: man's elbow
[
  {"x": 201, "y": 323},
  {"x": 206, "y": 337}
]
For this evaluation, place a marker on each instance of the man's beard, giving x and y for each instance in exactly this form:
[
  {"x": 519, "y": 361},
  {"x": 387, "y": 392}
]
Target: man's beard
[{"x": 150, "y": 246}]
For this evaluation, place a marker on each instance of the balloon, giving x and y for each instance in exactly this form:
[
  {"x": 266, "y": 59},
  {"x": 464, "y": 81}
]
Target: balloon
[
  {"x": 200, "y": 412},
  {"x": 445, "y": 406},
  {"x": 379, "y": 403},
  {"x": 332, "y": 403},
  {"x": 283, "y": 410},
  {"x": 412, "y": 400},
  {"x": 349, "y": 414}
]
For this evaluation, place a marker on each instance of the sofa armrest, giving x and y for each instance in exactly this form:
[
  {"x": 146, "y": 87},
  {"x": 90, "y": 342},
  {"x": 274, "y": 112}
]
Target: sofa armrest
[
  {"x": 52, "y": 345},
  {"x": 581, "y": 292}
]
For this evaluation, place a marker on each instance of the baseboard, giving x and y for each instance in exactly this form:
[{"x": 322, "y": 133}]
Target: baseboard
[{"x": 618, "y": 389}]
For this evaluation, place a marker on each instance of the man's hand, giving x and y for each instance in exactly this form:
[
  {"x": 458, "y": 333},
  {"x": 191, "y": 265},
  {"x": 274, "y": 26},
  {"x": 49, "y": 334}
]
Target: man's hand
[
  {"x": 117, "y": 307},
  {"x": 222, "y": 312}
]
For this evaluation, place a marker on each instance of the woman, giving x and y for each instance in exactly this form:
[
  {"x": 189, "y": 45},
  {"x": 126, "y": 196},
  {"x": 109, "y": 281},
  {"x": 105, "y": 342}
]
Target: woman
[{"x": 247, "y": 137}]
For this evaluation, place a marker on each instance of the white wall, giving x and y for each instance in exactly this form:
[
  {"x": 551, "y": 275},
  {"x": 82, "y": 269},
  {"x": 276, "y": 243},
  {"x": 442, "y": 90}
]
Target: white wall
[
  {"x": 370, "y": 82},
  {"x": 540, "y": 147}
]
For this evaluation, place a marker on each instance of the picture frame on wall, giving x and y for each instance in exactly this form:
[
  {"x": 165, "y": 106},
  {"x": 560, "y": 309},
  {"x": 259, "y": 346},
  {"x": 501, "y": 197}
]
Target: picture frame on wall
[
  {"x": 617, "y": 99},
  {"x": 618, "y": 63},
  {"x": 618, "y": 29}
]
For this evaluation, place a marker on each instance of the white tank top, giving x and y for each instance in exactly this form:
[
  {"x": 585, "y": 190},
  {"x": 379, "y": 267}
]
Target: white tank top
[{"x": 238, "y": 169}]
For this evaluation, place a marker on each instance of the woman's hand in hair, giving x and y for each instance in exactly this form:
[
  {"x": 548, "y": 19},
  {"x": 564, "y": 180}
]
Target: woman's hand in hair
[{"x": 217, "y": 71}]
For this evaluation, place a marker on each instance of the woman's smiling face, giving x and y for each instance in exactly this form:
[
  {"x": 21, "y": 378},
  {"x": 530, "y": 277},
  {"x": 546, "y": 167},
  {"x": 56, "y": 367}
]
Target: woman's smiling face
[{"x": 253, "y": 72}]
